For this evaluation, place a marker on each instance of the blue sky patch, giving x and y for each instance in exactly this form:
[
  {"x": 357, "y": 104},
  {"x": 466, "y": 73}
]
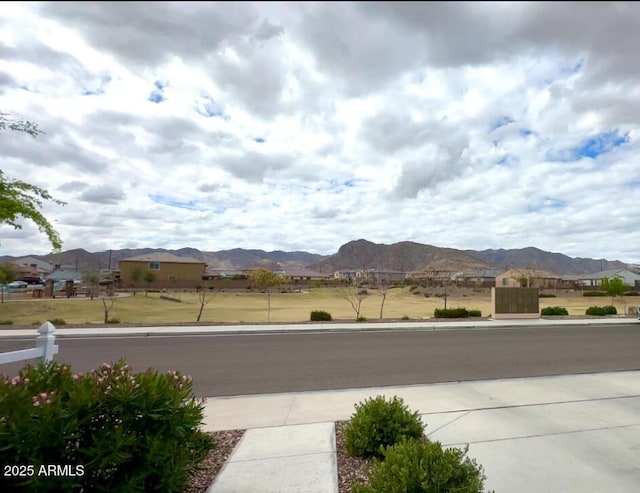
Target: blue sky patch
[
  {"x": 501, "y": 122},
  {"x": 259, "y": 140},
  {"x": 600, "y": 144},
  {"x": 180, "y": 204},
  {"x": 156, "y": 97},
  {"x": 525, "y": 132}
]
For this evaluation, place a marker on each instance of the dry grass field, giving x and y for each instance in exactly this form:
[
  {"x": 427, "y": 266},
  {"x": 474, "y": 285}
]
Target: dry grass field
[{"x": 230, "y": 307}]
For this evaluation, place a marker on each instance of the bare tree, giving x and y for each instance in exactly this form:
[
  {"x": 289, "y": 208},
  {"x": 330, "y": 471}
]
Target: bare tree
[
  {"x": 355, "y": 295},
  {"x": 107, "y": 303},
  {"x": 384, "y": 289},
  {"x": 204, "y": 296}
]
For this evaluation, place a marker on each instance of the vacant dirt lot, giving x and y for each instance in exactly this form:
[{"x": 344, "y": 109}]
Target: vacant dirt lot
[{"x": 285, "y": 307}]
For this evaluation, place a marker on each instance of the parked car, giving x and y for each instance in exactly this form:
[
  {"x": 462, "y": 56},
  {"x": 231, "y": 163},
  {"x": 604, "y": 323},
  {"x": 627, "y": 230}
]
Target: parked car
[
  {"x": 31, "y": 279},
  {"x": 17, "y": 285}
]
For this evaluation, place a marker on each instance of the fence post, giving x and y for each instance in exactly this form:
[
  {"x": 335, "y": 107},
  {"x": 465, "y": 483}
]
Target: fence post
[{"x": 47, "y": 341}]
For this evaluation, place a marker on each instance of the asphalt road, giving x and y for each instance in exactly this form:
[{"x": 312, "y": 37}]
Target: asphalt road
[{"x": 224, "y": 365}]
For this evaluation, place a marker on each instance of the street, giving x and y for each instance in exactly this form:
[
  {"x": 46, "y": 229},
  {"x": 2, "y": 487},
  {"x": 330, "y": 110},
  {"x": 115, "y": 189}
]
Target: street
[{"x": 226, "y": 364}]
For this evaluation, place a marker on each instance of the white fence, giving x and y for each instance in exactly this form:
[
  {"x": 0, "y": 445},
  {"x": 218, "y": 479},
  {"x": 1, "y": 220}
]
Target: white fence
[{"x": 45, "y": 348}]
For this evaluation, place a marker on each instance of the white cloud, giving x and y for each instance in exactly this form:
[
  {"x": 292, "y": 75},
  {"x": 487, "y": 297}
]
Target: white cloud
[{"x": 303, "y": 126}]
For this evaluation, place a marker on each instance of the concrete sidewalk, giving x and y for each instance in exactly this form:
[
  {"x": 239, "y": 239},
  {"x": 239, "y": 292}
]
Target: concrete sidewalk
[
  {"x": 577, "y": 433},
  {"x": 427, "y": 324}
]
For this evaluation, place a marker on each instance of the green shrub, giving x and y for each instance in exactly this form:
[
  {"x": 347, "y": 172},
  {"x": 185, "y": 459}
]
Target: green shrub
[
  {"x": 417, "y": 293},
  {"x": 320, "y": 316},
  {"x": 474, "y": 313},
  {"x": 113, "y": 320},
  {"x": 405, "y": 317},
  {"x": 594, "y": 293},
  {"x": 361, "y": 319},
  {"x": 130, "y": 432},
  {"x": 57, "y": 321},
  {"x": 601, "y": 311},
  {"x": 632, "y": 293},
  {"x": 452, "y": 313},
  {"x": 413, "y": 288},
  {"x": 554, "y": 310},
  {"x": 378, "y": 423},
  {"x": 545, "y": 295},
  {"x": 420, "y": 466},
  {"x": 6, "y": 322}
]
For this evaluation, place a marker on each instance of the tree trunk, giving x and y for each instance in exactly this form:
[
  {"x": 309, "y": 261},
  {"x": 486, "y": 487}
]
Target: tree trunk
[
  {"x": 382, "y": 305},
  {"x": 268, "y": 306},
  {"x": 200, "y": 313}
]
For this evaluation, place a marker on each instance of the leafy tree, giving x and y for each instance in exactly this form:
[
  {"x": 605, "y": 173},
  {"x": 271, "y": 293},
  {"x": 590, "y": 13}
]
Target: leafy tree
[
  {"x": 148, "y": 277},
  {"x": 91, "y": 278},
  {"x": 613, "y": 287},
  {"x": 20, "y": 199},
  {"x": 8, "y": 273},
  {"x": 266, "y": 280},
  {"x": 136, "y": 277}
]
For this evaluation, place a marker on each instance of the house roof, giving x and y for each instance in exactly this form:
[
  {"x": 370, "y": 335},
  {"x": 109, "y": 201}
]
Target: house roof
[
  {"x": 64, "y": 275},
  {"x": 610, "y": 273},
  {"x": 491, "y": 273},
  {"x": 532, "y": 273},
  {"x": 162, "y": 257},
  {"x": 303, "y": 273}
]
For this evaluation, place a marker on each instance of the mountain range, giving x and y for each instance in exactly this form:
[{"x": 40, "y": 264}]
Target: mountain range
[{"x": 404, "y": 256}]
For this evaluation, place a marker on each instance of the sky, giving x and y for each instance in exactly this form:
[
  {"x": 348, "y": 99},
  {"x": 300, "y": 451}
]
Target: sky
[{"x": 302, "y": 126}]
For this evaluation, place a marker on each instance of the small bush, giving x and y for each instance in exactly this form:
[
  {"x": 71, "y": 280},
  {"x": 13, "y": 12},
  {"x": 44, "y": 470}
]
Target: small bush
[
  {"x": 474, "y": 313},
  {"x": 58, "y": 321},
  {"x": 113, "y": 320},
  {"x": 413, "y": 288},
  {"x": 405, "y": 317},
  {"x": 632, "y": 293},
  {"x": 6, "y": 322},
  {"x": 451, "y": 313},
  {"x": 320, "y": 316},
  {"x": 545, "y": 295},
  {"x": 601, "y": 311},
  {"x": 420, "y": 466},
  {"x": 361, "y": 319},
  {"x": 594, "y": 293},
  {"x": 554, "y": 310},
  {"x": 379, "y": 423},
  {"x": 417, "y": 292},
  {"x": 131, "y": 432}
]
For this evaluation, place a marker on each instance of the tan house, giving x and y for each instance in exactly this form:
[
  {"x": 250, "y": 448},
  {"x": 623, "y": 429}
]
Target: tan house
[
  {"x": 161, "y": 270},
  {"x": 527, "y": 278}
]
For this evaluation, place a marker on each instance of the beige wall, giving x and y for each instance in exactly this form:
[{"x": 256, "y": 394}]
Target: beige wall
[{"x": 170, "y": 274}]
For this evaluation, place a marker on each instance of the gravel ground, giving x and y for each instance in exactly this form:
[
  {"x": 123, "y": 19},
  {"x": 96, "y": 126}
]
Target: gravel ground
[
  {"x": 226, "y": 441},
  {"x": 350, "y": 469}
]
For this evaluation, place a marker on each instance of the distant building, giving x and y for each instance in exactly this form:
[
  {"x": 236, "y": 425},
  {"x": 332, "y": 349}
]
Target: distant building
[
  {"x": 527, "y": 278},
  {"x": 169, "y": 271},
  {"x": 594, "y": 280}
]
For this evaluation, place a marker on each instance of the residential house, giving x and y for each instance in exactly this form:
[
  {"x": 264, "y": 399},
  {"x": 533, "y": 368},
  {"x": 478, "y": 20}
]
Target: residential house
[
  {"x": 346, "y": 275},
  {"x": 33, "y": 266},
  {"x": 528, "y": 278},
  {"x": 168, "y": 271},
  {"x": 297, "y": 275},
  {"x": 630, "y": 278},
  {"x": 480, "y": 277}
]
